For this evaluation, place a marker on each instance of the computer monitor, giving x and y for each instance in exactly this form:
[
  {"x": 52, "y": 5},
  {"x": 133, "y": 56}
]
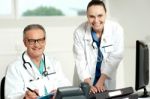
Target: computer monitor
[{"x": 142, "y": 67}]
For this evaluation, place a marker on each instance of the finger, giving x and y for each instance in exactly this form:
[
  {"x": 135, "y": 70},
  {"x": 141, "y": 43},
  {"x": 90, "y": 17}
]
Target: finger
[
  {"x": 93, "y": 90},
  {"x": 27, "y": 95},
  {"x": 30, "y": 95},
  {"x": 36, "y": 92},
  {"x": 54, "y": 91},
  {"x": 101, "y": 89}
]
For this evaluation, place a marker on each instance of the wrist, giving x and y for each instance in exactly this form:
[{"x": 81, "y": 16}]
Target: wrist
[{"x": 88, "y": 80}]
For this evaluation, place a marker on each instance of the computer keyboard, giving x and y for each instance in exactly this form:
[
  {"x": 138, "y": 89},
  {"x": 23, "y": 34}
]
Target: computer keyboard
[{"x": 115, "y": 94}]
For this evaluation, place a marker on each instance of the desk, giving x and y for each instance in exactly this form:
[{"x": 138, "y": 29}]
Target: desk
[{"x": 140, "y": 93}]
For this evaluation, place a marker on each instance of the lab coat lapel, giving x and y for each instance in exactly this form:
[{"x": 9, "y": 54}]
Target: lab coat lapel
[
  {"x": 106, "y": 37},
  {"x": 88, "y": 37}
]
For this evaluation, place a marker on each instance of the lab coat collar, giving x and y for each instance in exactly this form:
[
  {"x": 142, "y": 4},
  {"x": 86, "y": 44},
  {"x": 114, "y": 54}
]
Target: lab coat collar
[
  {"x": 88, "y": 36},
  {"x": 105, "y": 36},
  {"x": 27, "y": 58}
]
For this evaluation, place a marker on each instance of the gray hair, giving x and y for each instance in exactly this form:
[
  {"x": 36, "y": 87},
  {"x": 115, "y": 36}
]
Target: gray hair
[{"x": 33, "y": 26}]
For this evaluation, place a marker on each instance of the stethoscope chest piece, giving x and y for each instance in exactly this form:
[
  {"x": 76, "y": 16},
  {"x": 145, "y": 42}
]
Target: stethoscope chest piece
[
  {"x": 94, "y": 45},
  {"x": 45, "y": 73}
]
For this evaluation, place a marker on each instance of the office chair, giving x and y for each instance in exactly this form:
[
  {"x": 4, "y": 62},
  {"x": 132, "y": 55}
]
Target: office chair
[{"x": 2, "y": 87}]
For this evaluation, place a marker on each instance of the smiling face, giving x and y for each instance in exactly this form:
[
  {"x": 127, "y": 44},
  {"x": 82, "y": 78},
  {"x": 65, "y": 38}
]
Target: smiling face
[
  {"x": 34, "y": 40},
  {"x": 96, "y": 17}
]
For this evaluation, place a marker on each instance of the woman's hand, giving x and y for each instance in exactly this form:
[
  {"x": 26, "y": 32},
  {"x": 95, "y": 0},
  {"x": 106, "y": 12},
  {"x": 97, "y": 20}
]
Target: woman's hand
[
  {"x": 100, "y": 86},
  {"x": 92, "y": 88}
]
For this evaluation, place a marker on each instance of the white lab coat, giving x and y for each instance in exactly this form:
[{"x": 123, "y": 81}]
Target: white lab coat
[
  {"x": 18, "y": 78},
  {"x": 85, "y": 52}
]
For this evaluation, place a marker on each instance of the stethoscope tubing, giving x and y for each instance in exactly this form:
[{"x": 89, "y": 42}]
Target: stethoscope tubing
[{"x": 45, "y": 72}]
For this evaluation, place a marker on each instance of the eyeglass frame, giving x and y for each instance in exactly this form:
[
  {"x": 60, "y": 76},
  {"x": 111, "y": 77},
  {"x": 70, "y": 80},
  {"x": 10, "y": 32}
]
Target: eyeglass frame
[{"x": 34, "y": 41}]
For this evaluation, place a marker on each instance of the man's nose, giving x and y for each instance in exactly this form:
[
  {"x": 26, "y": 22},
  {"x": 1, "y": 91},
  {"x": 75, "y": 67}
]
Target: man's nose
[{"x": 36, "y": 42}]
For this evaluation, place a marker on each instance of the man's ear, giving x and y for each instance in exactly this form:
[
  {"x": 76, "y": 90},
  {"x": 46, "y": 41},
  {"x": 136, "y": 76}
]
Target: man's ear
[{"x": 24, "y": 41}]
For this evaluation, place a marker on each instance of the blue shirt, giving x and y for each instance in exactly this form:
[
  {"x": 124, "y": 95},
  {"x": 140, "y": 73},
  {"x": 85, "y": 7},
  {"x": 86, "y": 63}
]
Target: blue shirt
[{"x": 99, "y": 57}]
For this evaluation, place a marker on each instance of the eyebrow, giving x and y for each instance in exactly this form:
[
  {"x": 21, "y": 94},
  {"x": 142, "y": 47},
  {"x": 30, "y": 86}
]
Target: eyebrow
[
  {"x": 95, "y": 15},
  {"x": 35, "y": 39}
]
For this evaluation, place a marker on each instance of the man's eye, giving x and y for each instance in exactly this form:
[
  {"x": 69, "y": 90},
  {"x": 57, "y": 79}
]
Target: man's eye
[{"x": 31, "y": 40}]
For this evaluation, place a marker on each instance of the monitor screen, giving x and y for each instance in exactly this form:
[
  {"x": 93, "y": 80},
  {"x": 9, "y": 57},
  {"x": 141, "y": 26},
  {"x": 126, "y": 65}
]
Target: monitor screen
[{"x": 142, "y": 66}]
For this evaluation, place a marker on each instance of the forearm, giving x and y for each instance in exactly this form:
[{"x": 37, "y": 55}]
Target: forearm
[
  {"x": 88, "y": 80},
  {"x": 100, "y": 85},
  {"x": 102, "y": 79}
]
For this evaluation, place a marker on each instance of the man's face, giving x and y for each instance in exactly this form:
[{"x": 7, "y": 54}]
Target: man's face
[
  {"x": 96, "y": 17},
  {"x": 34, "y": 40}
]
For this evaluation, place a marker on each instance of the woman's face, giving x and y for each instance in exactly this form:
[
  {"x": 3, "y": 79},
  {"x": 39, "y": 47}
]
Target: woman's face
[{"x": 96, "y": 17}]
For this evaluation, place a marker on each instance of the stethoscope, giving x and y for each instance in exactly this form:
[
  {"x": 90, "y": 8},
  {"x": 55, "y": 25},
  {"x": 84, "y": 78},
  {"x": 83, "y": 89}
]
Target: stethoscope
[
  {"x": 94, "y": 45},
  {"x": 25, "y": 63}
]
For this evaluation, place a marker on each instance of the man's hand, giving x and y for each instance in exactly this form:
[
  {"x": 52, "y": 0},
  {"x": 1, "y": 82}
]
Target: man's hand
[
  {"x": 54, "y": 91},
  {"x": 31, "y": 94}
]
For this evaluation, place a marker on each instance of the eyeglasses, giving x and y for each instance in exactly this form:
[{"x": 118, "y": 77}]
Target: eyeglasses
[{"x": 34, "y": 41}]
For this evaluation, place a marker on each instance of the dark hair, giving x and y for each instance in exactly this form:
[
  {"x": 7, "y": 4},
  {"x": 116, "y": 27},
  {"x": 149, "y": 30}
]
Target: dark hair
[
  {"x": 96, "y": 2},
  {"x": 33, "y": 26}
]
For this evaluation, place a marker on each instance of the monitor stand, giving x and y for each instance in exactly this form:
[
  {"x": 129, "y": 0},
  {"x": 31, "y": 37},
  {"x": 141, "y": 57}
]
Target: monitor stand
[{"x": 145, "y": 94}]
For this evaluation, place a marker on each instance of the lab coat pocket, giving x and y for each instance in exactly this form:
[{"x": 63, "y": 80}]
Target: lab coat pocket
[
  {"x": 108, "y": 48},
  {"x": 50, "y": 82},
  {"x": 37, "y": 84}
]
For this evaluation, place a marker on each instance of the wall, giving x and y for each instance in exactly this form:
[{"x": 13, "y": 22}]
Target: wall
[
  {"x": 131, "y": 14},
  {"x": 59, "y": 41},
  {"x": 134, "y": 17}
]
